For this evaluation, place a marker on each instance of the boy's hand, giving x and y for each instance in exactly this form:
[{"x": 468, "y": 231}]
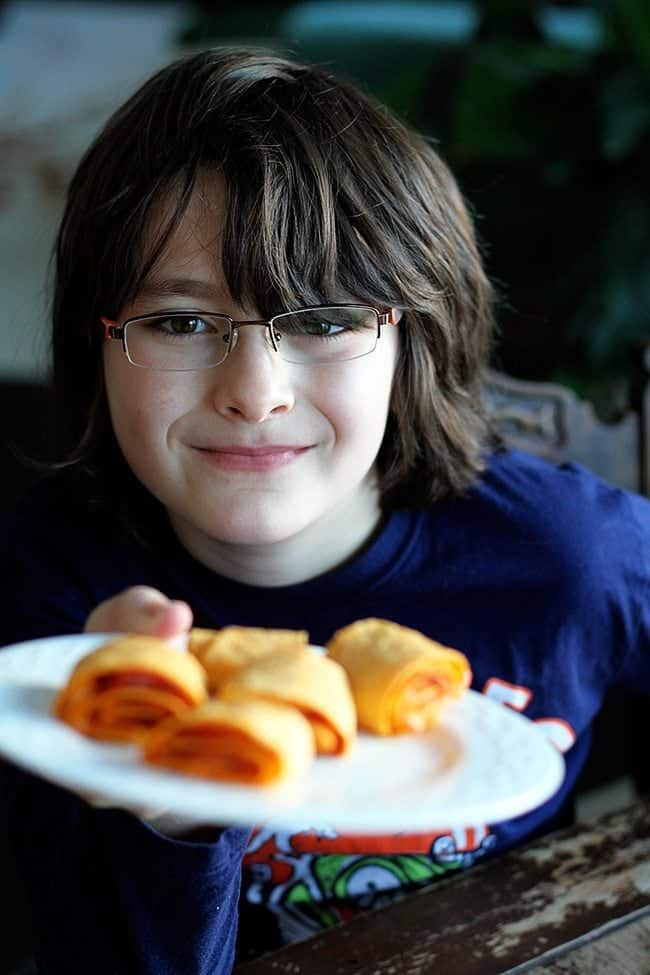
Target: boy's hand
[{"x": 141, "y": 609}]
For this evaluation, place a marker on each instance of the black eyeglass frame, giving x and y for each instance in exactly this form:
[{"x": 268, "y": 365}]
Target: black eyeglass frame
[{"x": 385, "y": 316}]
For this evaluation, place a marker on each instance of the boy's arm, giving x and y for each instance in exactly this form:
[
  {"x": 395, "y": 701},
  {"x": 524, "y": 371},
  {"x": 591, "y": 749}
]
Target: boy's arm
[
  {"x": 108, "y": 892},
  {"x": 110, "y": 895}
]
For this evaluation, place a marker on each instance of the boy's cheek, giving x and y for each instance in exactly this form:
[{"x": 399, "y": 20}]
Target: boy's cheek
[{"x": 140, "y": 397}]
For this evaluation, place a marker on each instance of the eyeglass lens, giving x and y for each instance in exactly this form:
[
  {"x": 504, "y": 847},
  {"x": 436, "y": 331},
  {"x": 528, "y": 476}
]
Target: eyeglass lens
[{"x": 176, "y": 342}]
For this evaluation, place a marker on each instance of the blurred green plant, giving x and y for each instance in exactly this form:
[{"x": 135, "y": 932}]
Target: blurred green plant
[{"x": 548, "y": 131}]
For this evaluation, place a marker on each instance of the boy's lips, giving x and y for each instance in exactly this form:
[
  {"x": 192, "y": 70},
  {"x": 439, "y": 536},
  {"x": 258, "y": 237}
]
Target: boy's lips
[{"x": 237, "y": 457}]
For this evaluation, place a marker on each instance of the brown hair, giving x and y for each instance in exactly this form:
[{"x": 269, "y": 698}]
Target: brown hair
[{"x": 326, "y": 192}]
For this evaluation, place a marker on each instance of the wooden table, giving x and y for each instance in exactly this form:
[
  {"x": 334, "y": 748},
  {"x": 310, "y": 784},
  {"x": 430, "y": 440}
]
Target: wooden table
[{"x": 576, "y": 901}]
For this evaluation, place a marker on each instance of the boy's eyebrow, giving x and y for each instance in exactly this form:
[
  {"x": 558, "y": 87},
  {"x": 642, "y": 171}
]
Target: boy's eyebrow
[{"x": 181, "y": 288}]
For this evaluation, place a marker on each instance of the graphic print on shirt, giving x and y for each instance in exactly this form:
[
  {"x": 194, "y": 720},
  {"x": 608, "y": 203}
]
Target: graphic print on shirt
[
  {"x": 558, "y": 731},
  {"x": 313, "y": 879}
]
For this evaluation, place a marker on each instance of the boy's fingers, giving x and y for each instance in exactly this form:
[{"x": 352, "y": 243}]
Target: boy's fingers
[{"x": 140, "y": 609}]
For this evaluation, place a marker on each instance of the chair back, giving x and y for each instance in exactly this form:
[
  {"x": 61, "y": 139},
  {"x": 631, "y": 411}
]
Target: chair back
[{"x": 551, "y": 421}]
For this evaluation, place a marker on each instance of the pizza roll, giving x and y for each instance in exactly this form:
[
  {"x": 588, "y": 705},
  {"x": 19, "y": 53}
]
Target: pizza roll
[
  {"x": 245, "y": 743},
  {"x": 223, "y": 652},
  {"x": 119, "y": 691},
  {"x": 199, "y": 639},
  {"x": 308, "y": 681},
  {"x": 400, "y": 678}
]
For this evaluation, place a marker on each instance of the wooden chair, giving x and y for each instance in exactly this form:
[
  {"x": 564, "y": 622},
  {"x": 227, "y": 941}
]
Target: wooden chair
[{"x": 551, "y": 421}]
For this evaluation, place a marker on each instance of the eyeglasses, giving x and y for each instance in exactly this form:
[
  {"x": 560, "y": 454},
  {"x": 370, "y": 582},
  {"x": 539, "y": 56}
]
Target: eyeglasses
[{"x": 182, "y": 339}]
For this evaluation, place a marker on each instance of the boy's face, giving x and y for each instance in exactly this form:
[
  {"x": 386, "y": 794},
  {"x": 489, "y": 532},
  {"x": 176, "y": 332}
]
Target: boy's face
[{"x": 255, "y": 451}]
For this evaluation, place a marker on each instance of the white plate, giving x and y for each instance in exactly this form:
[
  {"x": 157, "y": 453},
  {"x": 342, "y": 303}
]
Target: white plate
[{"x": 485, "y": 763}]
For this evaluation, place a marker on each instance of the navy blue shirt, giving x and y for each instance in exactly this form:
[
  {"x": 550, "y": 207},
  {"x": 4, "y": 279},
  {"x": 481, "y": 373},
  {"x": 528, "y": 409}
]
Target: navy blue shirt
[{"x": 541, "y": 575}]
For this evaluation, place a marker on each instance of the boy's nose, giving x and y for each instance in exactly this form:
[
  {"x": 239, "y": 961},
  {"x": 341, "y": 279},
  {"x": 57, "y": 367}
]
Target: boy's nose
[{"x": 252, "y": 384}]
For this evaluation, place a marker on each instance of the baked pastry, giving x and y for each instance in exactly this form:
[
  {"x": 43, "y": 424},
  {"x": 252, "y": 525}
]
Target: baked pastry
[
  {"x": 246, "y": 743},
  {"x": 198, "y": 640},
  {"x": 400, "y": 678},
  {"x": 119, "y": 691},
  {"x": 309, "y": 681},
  {"x": 222, "y": 652}
]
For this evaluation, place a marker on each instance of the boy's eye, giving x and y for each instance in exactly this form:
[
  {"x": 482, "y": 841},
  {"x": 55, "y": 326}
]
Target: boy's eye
[
  {"x": 181, "y": 325},
  {"x": 320, "y": 326}
]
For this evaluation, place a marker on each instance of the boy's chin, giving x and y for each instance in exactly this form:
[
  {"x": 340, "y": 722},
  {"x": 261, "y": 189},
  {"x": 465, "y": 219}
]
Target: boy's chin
[
  {"x": 252, "y": 536},
  {"x": 248, "y": 528}
]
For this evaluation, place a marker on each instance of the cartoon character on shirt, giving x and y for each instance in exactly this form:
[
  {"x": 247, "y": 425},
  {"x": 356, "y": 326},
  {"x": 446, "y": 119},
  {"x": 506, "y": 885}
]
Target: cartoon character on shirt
[{"x": 313, "y": 879}]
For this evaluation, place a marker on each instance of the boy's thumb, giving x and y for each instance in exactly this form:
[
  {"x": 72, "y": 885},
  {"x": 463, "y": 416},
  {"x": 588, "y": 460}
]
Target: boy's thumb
[{"x": 141, "y": 609}]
